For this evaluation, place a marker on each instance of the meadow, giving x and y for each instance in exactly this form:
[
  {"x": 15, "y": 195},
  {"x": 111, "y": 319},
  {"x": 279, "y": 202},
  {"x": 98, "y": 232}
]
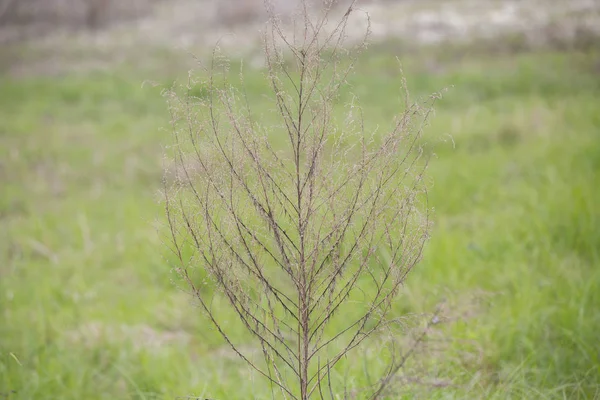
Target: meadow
[{"x": 88, "y": 304}]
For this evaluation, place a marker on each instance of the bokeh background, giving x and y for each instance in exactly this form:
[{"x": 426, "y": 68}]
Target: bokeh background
[{"x": 88, "y": 306}]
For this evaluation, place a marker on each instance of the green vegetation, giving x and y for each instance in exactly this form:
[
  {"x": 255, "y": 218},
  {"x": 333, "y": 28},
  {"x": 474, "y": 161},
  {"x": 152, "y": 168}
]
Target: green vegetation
[{"x": 87, "y": 306}]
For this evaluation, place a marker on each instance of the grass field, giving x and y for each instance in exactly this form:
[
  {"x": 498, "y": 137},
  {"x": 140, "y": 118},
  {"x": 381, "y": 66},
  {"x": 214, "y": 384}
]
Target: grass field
[{"x": 88, "y": 309}]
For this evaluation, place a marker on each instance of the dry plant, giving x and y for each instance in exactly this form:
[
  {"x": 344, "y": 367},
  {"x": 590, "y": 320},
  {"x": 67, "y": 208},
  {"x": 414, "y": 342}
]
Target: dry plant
[{"x": 304, "y": 222}]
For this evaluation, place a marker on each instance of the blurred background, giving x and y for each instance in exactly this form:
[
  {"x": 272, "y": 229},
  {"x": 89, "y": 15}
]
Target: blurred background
[{"x": 88, "y": 309}]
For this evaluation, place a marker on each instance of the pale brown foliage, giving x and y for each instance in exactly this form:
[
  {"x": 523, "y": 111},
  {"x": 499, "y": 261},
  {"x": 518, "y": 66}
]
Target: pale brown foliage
[{"x": 307, "y": 226}]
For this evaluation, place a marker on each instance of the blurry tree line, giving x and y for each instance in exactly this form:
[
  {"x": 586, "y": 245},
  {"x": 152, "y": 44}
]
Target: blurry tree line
[
  {"x": 38, "y": 17},
  {"x": 35, "y": 17}
]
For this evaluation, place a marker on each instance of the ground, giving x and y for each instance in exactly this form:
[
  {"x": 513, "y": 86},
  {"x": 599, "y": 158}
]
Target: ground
[{"x": 89, "y": 306}]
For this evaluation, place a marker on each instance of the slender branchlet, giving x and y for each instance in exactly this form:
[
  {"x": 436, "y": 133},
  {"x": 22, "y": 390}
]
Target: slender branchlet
[{"x": 304, "y": 221}]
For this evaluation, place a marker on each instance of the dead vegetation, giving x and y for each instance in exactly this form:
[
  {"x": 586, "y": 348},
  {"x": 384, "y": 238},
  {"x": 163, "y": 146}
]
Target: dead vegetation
[{"x": 306, "y": 224}]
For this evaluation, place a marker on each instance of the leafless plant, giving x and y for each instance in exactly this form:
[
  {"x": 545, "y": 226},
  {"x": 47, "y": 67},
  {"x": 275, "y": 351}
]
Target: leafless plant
[{"x": 305, "y": 222}]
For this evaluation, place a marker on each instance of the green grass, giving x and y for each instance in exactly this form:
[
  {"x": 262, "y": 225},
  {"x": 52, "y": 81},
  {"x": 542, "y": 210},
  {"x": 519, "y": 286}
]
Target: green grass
[{"x": 87, "y": 306}]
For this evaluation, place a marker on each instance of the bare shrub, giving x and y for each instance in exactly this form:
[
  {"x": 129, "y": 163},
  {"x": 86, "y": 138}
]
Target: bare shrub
[{"x": 298, "y": 225}]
